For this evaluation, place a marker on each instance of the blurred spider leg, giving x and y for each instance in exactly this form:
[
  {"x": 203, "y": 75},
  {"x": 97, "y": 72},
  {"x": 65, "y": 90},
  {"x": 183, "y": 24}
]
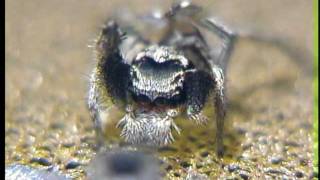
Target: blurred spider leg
[
  {"x": 228, "y": 37},
  {"x": 98, "y": 130},
  {"x": 219, "y": 103},
  {"x": 102, "y": 83},
  {"x": 198, "y": 86},
  {"x": 185, "y": 8},
  {"x": 93, "y": 104},
  {"x": 108, "y": 41}
]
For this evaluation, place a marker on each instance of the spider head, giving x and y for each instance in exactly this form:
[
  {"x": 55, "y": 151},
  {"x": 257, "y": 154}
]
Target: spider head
[
  {"x": 157, "y": 76},
  {"x": 157, "y": 80}
]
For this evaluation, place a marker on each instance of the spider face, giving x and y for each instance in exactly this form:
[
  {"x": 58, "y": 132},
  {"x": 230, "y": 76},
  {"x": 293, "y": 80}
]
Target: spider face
[
  {"x": 156, "y": 81},
  {"x": 158, "y": 76}
]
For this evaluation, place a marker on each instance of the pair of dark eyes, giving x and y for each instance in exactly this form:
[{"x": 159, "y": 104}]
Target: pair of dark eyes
[
  {"x": 153, "y": 62},
  {"x": 168, "y": 63}
]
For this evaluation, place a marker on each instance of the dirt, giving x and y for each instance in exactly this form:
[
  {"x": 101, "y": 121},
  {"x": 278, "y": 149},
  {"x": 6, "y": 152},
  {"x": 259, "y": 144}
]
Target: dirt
[{"x": 269, "y": 121}]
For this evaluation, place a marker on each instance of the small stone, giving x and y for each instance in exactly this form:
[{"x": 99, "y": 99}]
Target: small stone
[
  {"x": 194, "y": 175},
  {"x": 42, "y": 161},
  {"x": 263, "y": 122},
  {"x": 68, "y": 145},
  {"x": 241, "y": 131},
  {"x": 198, "y": 166},
  {"x": 244, "y": 175},
  {"x": 273, "y": 171},
  {"x": 168, "y": 168},
  {"x": 167, "y": 149},
  {"x": 46, "y": 148},
  {"x": 72, "y": 164},
  {"x": 19, "y": 171},
  {"x": 232, "y": 167},
  {"x": 276, "y": 159},
  {"x": 12, "y": 131},
  {"x": 200, "y": 146},
  {"x": 17, "y": 157},
  {"x": 57, "y": 125},
  {"x": 192, "y": 138},
  {"x": 258, "y": 134},
  {"x": 176, "y": 174},
  {"x": 204, "y": 154},
  {"x": 87, "y": 139},
  {"x": 285, "y": 177},
  {"x": 306, "y": 126},
  {"x": 246, "y": 146},
  {"x": 303, "y": 162},
  {"x": 185, "y": 164},
  {"x": 280, "y": 116},
  {"x": 187, "y": 150},
  {"x": 298, "y": 174},
  {"x": 291, "y": 143}
]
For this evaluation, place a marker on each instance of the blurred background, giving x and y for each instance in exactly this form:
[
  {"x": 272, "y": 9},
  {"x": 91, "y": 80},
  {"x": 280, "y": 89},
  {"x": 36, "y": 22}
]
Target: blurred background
[{"x": 269, "y": 87}]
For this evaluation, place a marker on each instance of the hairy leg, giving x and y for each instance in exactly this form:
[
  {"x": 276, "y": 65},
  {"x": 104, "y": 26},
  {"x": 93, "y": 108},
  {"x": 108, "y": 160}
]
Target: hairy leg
[
  {"x": 198, "y": 85},
  {"x": 108, "y": 79}
]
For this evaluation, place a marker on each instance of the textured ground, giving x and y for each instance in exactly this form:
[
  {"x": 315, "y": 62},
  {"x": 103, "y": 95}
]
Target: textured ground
[{"x": 269, "y": 126}]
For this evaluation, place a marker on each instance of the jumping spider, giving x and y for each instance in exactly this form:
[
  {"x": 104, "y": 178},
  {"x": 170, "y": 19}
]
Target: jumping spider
[{"x": 155, "y": 81}]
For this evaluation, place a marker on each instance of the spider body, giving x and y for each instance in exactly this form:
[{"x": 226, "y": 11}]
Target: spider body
[{"x": 155, "y": 81}]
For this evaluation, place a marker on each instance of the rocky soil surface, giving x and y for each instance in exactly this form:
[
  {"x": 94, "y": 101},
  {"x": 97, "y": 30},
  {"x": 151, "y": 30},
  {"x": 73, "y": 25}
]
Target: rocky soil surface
[{"x": 269, "y": 124}]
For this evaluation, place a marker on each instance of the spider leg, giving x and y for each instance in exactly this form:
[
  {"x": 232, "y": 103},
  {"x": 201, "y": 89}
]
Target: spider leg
[
  {"x": 186, "y": 18},
  {"x": 228, "y": 40},
  {"x": 220, "y": 107},
  {"x": 94, "y": 109},
  {"x": 108, "y": 82},
  {"x": 196, "y": 50},
  {"x": 113, "y": 71},
  {"x": 184, "y": 8},
  {"x": 219, "y": 71},
  {"x": 198, "y": 85}
]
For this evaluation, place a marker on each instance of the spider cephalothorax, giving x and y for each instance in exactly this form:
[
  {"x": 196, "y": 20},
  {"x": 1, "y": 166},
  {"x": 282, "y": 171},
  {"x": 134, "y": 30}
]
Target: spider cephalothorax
[
  {"x": 158, "y": 74},
  {"x": 155, "y": 81}
]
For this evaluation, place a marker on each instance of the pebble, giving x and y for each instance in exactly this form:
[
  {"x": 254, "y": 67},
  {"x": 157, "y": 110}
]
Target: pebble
[
  {"x": 263, "y": 122},
  {"x": 241, "y": 131},
  {"x": 168, "y": 168},
  {"x": 198, "y": 166},
  {"x": 192, "y": 138},
  {"x": 204, "y": 154},
  {"x": 49, "y": 148},
  {"x": 276, "y": 159},
  {"x": 280, "y": 116},
  {"x": 167, "y": 148},
  {"x": 57, "y": 125},
  {"x": 303, "y": 162},
  {"x": 298, "y": 174},
  {"x": 244, "y": 175},
  {"x": 41, "y": 161},
  {"x": 72, "y": 164},
  {"x": 12, "y": 131},
  {"x": 232, "y": 167},
  {"x": 194, "y": 175},
  {"x": 291, "y": 143},
  {"x": 18, "y": 171},
  {"x": 185, "y": 164},
  {"x": 68, "y": 145},
  {"x": 273, "y": 171}
]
